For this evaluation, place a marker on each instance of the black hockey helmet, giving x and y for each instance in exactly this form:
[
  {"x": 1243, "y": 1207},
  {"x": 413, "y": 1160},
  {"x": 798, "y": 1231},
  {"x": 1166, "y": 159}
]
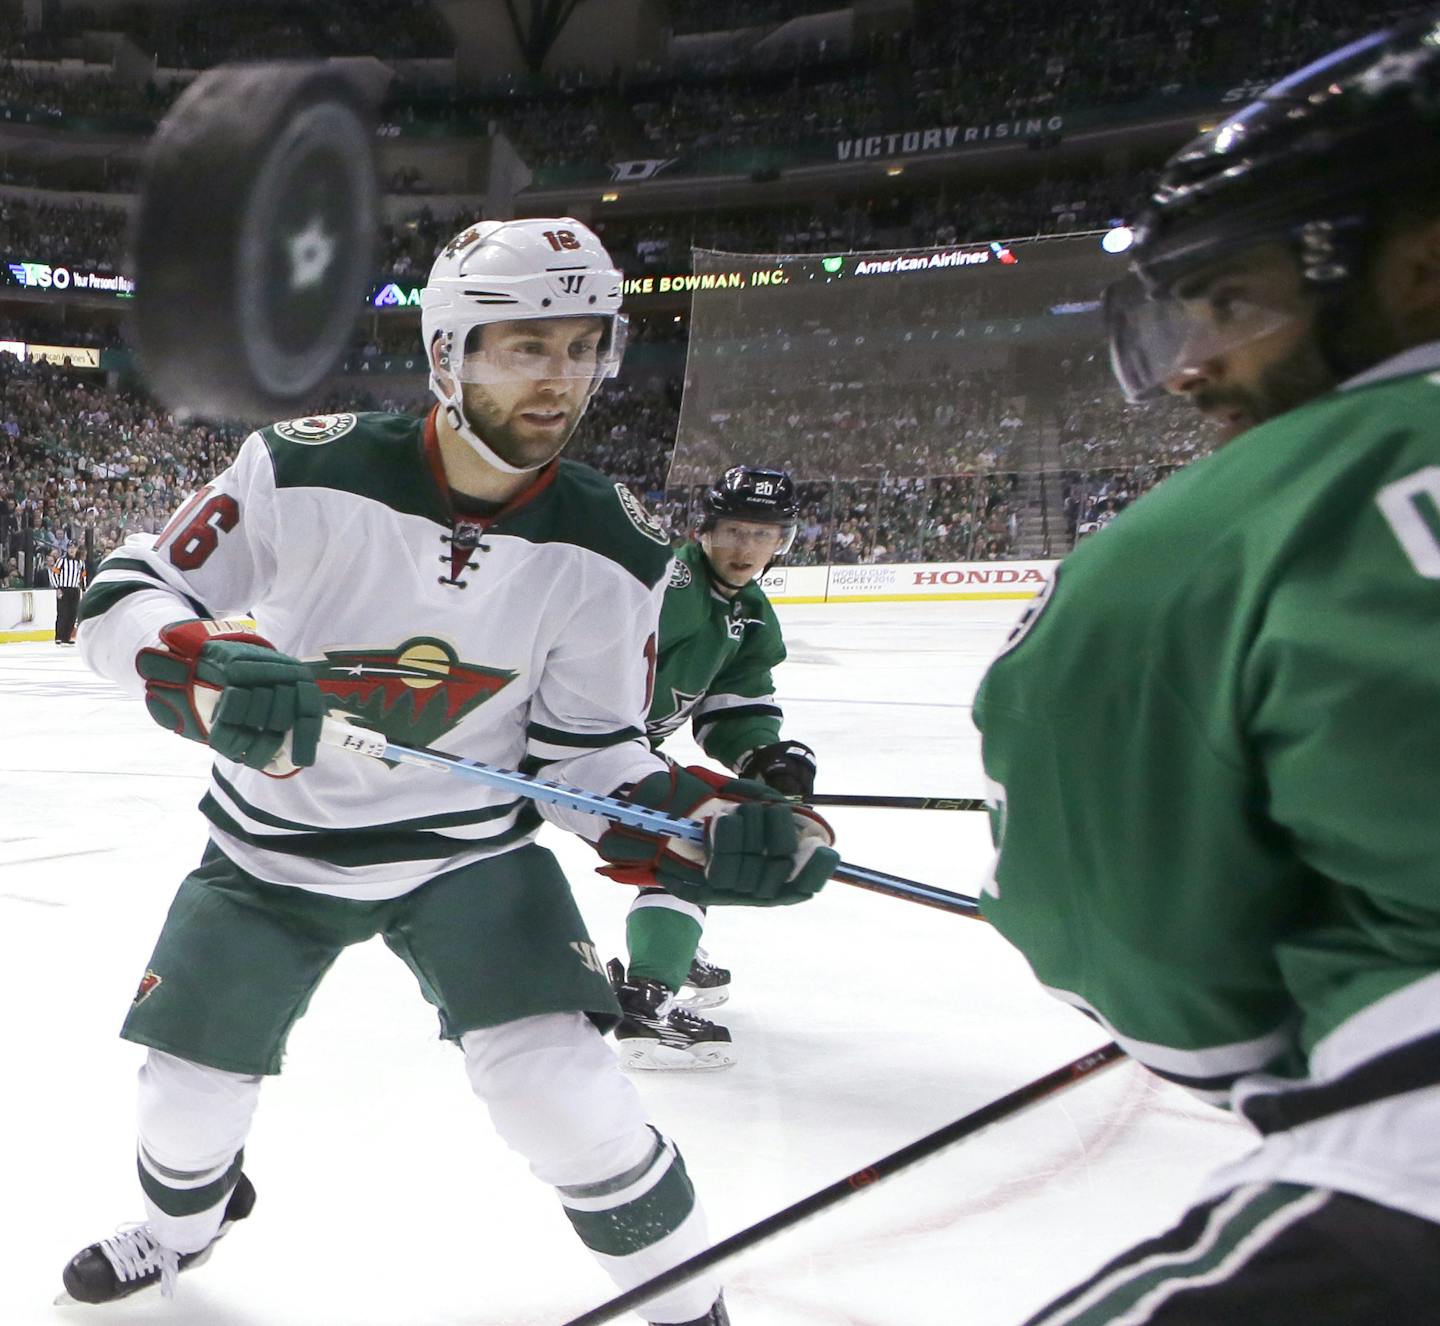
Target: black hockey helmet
[
  {"x": 1310, "y": 163},
  {"x": 745, "y": 492}
]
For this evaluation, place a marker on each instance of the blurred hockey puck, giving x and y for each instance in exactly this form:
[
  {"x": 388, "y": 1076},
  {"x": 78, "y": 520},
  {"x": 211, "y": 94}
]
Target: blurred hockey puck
[{"x": 254, "y": 239}]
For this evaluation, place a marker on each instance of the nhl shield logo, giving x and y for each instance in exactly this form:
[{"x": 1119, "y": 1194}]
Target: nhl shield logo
[
  {"x": 149, "y": 983},
  {"x": 679, "y": 575}
]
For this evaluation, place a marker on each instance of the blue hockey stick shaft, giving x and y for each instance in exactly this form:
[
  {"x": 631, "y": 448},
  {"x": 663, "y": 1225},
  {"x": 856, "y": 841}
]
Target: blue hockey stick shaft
[{"x": 364, "y": 741}]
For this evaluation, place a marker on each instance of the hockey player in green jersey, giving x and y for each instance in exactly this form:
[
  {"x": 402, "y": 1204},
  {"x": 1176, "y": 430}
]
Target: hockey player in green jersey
[
  {"x": 719, "y": 640},
  {"x": 1213, "y": 744},
  {"x": 446, "y": 579}
]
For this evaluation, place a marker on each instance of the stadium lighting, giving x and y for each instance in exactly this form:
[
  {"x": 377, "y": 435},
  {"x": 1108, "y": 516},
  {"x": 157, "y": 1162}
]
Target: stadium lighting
[
  {"x": 609, "y": 197},
  {"x": 1117, "y": 239},
  {"x": 892, "y": 171}
]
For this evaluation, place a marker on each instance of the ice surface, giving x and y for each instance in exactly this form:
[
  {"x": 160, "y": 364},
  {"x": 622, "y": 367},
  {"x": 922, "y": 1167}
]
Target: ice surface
[{"x": 862, "y": 1022}]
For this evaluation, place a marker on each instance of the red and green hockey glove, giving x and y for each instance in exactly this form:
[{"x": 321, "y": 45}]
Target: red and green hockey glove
[
  {"x": 759, "y": 850},
  {"x": 220, "y": 683}
]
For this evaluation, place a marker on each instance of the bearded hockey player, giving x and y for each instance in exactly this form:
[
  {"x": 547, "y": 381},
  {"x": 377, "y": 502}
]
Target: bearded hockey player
[
  {"x": 719, "y": 640},
  {"x": 1214, "y": 747},
  {"x": 446, "y": 577}
]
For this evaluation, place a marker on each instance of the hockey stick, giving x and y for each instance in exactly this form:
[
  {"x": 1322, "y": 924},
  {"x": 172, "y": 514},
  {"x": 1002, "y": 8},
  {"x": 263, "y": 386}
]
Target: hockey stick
[
  {"x": 1032, "y": 1093},
  {"x": 364, "y": 741},
  {"x": 899, "y": 803}
]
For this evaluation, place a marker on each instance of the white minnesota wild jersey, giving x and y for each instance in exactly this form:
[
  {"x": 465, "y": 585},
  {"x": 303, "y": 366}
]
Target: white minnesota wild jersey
[{"x": 522, "y": 639}]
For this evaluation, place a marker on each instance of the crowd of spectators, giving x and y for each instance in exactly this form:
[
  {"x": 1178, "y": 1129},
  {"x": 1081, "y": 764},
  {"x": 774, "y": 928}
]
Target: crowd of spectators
[
  {"x": 80, "y": 462},
  {"x": 937, "y": 215},
  {"x": 84, "y": 235},
  {"x": 957, "y": 62},
  {"x": 1098, "y": 429},
  {"x": 92, "y": 236},
  {"x": 1092, "y": 499},
  {"x": 51, "y": 95},
  {"x": 195, "y": 34},
  {"x": 84, "y": 462}
]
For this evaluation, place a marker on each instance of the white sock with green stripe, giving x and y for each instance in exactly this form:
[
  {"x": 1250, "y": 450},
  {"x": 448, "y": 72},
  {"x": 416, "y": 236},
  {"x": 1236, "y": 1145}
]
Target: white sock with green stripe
[
  {"x": 642, "y": 1222},
  {"x": 193, "y": 1122},
  {"x": 557, "y": 1096}
]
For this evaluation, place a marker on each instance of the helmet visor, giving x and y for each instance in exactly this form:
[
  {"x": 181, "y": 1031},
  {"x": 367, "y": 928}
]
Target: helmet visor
[
  {"x": 587, "y": 349},
  {"x": 765, "y": 539},
  {"x": 1156, "y": 335}
]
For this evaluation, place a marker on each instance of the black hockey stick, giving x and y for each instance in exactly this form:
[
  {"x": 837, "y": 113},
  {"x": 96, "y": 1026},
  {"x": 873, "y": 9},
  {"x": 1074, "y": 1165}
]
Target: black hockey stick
[
  {"x": 899, "y": 803},
  {"x": 1032, "y": 1093}
]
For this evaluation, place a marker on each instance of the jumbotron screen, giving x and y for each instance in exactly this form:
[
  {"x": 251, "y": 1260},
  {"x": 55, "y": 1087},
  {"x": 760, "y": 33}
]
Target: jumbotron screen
[{"x": 906, "y": 363}]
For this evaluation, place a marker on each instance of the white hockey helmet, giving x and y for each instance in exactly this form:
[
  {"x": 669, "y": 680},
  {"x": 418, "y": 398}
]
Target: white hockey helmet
[{"x": 503, "y": 271}]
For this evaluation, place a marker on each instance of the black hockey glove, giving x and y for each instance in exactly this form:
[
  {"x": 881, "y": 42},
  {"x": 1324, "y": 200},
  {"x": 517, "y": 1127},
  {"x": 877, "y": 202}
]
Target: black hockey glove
[
  {"x": 786, "y": 766},
  {"x": 759, "y": 849}
]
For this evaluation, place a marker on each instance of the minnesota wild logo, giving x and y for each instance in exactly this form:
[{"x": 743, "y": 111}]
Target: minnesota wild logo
[{"x": 413, "y": 694}]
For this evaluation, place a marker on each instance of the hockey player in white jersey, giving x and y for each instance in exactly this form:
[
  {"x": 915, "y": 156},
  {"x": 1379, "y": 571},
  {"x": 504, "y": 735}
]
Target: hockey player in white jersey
[{"x": 447, "y": 576}]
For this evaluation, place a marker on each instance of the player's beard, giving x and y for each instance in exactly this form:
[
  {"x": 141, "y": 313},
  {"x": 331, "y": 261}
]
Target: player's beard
[
  {"x": 507, "y": 435},
  {"x": 1281, "y": 386},
  {"x": 1347, "y": 334}
]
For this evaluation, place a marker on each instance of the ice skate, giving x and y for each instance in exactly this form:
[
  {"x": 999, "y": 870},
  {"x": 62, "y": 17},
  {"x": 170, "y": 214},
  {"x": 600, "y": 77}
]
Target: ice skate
[
  {"x": 707, "y": 985},
  {"x": 132, "y": 1260},
  {"x": 655, "y": 1033}
]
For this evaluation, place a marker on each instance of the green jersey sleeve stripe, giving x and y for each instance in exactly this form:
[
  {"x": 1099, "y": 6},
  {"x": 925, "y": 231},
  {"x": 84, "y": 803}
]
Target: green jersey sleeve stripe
[
  {"x": 105, "y": 594},
  {"x": 706, "y": 717},
  {"x": 114, "y": 563}
]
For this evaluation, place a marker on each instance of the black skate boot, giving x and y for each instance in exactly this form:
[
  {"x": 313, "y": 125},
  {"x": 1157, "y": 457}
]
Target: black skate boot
[
  {"x": 717, "y": 1316},
  {"x": 133, "y": 1260},
  {"x": 707, "y": 985},
  {"x": 656, "y": 1033}
]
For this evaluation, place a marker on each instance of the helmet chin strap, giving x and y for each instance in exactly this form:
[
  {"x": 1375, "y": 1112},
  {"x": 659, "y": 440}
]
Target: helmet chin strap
[{"x": 455, "y": 417}]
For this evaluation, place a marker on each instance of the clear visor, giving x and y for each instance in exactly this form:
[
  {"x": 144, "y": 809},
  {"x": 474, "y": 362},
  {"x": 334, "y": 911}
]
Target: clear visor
[
  {"x": 748, "y": 538},
  {"x": 547, "y": 351},
  {"x": 1155, "y": 338}
]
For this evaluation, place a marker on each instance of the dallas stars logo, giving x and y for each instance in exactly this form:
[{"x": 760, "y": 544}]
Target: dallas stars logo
[
  {"x": 413, "y": 694},
  {"x": 683, "y": 702}
]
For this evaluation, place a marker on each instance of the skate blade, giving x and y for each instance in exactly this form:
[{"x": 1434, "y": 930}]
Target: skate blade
[
  {"x": 652, "y": 1058},
  {"x": 695, "y": 998}
]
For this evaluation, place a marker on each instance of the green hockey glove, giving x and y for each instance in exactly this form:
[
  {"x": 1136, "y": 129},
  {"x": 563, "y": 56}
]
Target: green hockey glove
[
  {"x": 759, "y": 850},
  {"x": 220, "y": 683}
]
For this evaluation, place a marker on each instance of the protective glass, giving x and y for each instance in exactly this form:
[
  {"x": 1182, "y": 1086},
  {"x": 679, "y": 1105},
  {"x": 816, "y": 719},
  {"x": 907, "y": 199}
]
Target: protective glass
[
  {"x": 1154, "y": 337},
  {"x": 763, "y": 539},
  {"x": 546, "y": 356}
]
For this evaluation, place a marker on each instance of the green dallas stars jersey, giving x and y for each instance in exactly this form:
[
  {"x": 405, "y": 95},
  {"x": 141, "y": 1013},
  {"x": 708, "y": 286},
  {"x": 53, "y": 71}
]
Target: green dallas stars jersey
[
  {"x": 525, "y": 637},
  {"x": 714, "y": 664},
  {"x": 1214, "y": 746}
]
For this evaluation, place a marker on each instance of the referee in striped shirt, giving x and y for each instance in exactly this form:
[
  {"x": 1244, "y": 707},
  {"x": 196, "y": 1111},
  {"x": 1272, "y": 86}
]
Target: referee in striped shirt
[{"x": 67, "y": 577}]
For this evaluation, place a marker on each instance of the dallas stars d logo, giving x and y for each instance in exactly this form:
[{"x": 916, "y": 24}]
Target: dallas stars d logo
[{"x": 413, "y": 694}]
